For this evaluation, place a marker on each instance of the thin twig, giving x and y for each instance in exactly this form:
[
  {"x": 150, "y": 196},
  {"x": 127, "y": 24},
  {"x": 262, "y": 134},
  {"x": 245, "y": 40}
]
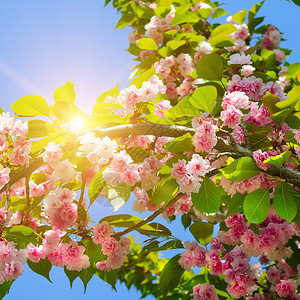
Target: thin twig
[{"x": 150, "y": 218}]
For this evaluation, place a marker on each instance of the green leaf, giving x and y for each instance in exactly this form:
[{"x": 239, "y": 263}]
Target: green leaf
[
  {"x": 72, "y": 275},
  {"x": 187, "y": 17},
  {"x": 165, "y": 190},
  {"x": 86, "y": 275},
  {"x": 235, "y": 205},
  {"x": 204, "y": 98},
  {"x": 254, "y": 22},
  {"x": 293, "y": 70},
  {"x": 157, "y": 229},
  {"x": 170, "y": 275},
  {"x": 291, "y": 102},
  {"x": 293, "y": 121},
  {"x": 112, "y": 92},
  {"x": 138, "y": 154},
  {"x": 221, "y": 41},
  {"x": 219, "y": 12},
  {"x": 294, "y": 260},
  {"x": 297, "y": 2},
  {"x": 170, "y": 47},
  {"x": 43, "y": 267},
  {"x": 280, "y": 116},
  {"x": 223, "y": 30},
  {"x": 31, "y": 106},
  {"x": 125, "y": 20},
  {"x": 65, "y": 93},
  {"x": 240, "y": 16},
  {"x": 278, "y": 160},
  {"x": 284, "y": 201},
  {"x": 208, "y": 199},
  {"x": 254, "y": 10},
  {"x": 241, "y": 169},
  {"x": 94, "y": 252},
  {"x": 182, "y": 109},
  {"x": 210, "y": 67},
  {"x": 254, "y": 48},
  {"x": 269, "y": 100},
  {"x": 147, "y": 44},
  {"x": 186, "y": 221},
  {"x": 67, "y": 111},
  {"x": 155, "y": 246},
  {"x": 163, "y": 8},
  {"x": 204, "y": 12},
  {"x": 180, "y": 144},
  {"x": 5, "y": 287},
  {"x": 202, "y": 232},
  {"x": 138, "y": 82},
  {"x": 118, "y": 195},
  {"x": 39, "y": 128},
  {"x": 256, "y": 206},
  {"x": 19, "y": 234},
  {"x": 96, "y": 186},
  {"x": 124, "y": 220}
]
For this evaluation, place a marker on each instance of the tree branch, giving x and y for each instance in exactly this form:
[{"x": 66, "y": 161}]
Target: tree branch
[
  {"x": 159, "y": 130},
  {"x": 150, "y": 218}
]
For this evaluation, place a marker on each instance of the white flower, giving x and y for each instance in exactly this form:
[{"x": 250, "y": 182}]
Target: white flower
[{"x": 240, "y": 59}]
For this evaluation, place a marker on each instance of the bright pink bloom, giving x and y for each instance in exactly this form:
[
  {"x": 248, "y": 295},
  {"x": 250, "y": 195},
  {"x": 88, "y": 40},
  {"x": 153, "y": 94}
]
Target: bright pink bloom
[
  {"x": 205, "y": 137},
  {"x": 231, "y": 117},
  {"x": 73, "y": 257},
  {"x": 102, "y": 232},
  {"x": 286, "y": 288},
  {"x": 204, "y": 292}
]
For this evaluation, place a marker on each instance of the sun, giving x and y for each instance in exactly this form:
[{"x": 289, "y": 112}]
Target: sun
[{"x": 76, "y": 125}]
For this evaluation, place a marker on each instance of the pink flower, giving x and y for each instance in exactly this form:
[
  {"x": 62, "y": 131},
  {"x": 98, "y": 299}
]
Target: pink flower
[
  {"x": 202, "y": 49},
  {"x": 238, "y": 135},
  {"x": 253, "y": 87},
  {"x": 4, "y": 176},
  {"x": 52, "y": 154},
  {"x": 35, "y": 253},
  {"x": 198, "y": 166},
  {"x": 64, "y": 171},
  {"x": 189, "y": 184},
  {"x": 297, "y": 135},
  {"x": 286, "y": 288},
  {"x": 205, "y": 137},
  {"x": 102, "y": 232},
  {"x": 204, "y": 292},
  {"x": 130, "y": 177},
  {"x": 280, "y": 56},
  {"x": 129, "y": 97},
  {"x": 59, "y": 210},
  {"x": 171, "y": 91},
  {"x": 160, "y": 107},
  {"x": 179, "y": 169},
  {"x": 247, "y": 70},
  {"x": 237, "y": 99},
  {"x": 271, "y": 39},
  {"x": 231, "y": 117},
  {"x": 73, "y": 257}
]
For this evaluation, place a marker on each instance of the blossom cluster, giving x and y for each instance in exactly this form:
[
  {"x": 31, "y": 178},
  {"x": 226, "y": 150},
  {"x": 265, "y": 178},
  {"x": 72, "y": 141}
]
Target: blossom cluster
[
  {"x": 14, "y": 147},
  {"x": 188, "y": 175},
  {"x": 115, "y": 251},
  {"x": 59, "y": 254},
  {"x": 11, "y": 261},
  {"x": 241, "y": 276}
]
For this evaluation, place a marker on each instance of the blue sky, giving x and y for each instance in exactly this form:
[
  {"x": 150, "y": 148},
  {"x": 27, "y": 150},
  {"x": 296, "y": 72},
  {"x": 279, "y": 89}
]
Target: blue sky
[{"x": 46, "y": 43}]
